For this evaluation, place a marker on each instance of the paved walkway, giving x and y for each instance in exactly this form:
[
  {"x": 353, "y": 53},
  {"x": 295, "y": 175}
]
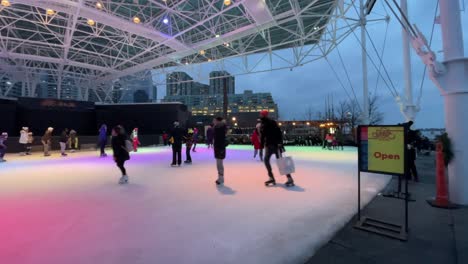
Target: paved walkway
[{"x": 436, "y": 235}]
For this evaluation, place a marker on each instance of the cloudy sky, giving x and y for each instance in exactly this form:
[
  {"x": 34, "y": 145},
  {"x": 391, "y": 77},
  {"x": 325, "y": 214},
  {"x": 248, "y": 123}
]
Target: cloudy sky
[{"x": 308, "y": 86}]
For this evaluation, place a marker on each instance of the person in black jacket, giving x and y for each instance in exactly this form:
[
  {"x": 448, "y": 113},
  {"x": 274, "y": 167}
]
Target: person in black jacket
[
  {"x": 63, "y": 142},
  {"x": 120, "y": 151},
  {"x": 219, "y": 136},
  {"x": 177, "y": 135},
  {"x": 272, "y": 141}
]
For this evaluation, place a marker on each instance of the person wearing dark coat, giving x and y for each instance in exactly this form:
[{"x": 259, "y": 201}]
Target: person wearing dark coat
[
  {"x": 220, "y": 143},
  {"x": 103, "y": 139},
  {"x": 272, "y": 141},
  {"x": 209, "y": 136},
  {"x": 177, "y": 134},
  {"x": 120, "y": 151},
  {"x": 47, "y": 140},
  {"x": 189, "y": 141},
  {"x": 63, "y": 142}
]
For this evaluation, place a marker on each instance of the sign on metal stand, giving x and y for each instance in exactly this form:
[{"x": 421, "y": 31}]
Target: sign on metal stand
[{"x": 382, "y": 150}]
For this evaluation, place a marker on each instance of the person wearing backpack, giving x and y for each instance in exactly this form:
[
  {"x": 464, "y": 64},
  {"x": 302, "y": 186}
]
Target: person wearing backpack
[{"x": 121, "y": 154}]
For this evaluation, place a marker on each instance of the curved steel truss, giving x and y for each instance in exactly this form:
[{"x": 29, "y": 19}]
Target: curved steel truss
[{"x": 84, "y": 46}]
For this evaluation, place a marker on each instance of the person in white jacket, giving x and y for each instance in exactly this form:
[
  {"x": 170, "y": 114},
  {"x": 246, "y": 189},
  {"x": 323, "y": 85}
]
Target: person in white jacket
[{"x": 23, "y": 140}]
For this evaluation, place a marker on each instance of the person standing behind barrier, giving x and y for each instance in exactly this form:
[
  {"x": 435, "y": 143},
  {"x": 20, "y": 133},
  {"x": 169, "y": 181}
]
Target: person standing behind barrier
[
  {"x": 209, "y": 136},
  {"x": 23, "y": 140},
  {"x": 103, "y": 140},
  {"x": 47, "y": 141},
  {"x": 220, "y": 143},
  {"x": 272, "y": 141},
  {"x": 120, "y": 151},
  {"x": 63, "y": 142},
  {"x": 176, "y": 135}
]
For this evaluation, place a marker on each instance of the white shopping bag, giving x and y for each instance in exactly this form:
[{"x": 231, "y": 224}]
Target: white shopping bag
[{"x": 285, "y": 165}]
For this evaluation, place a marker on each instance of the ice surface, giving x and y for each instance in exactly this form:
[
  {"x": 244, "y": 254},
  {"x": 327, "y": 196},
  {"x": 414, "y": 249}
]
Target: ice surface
[{"x": 71, "y": 210}]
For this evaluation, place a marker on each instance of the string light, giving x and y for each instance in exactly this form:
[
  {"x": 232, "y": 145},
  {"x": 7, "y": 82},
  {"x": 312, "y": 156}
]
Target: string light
[
  {"x": 202, "y": 52},
  {"x": 217, "y": 35},
  {"x": 165, "y": 20},
  {"x": 99, "y": 5},
  {"x": 91, "y": 22},
  {"x": 136, "y": 20},
  {"x": 227, "y": 2},
  {"x": 50, "y": 12}
]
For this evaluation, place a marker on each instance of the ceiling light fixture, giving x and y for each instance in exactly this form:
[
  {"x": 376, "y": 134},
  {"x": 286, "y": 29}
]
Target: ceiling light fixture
[
  {"x": 6, "y": 3},
  {"x": 50, "y": 12}
]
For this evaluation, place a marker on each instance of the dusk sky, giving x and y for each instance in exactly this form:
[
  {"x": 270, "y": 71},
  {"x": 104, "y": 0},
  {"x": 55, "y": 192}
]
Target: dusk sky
[{"x": 308, "y": 86}]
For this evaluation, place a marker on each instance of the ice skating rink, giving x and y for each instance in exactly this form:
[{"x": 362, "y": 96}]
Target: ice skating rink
[{"x": 71, "y": 210}]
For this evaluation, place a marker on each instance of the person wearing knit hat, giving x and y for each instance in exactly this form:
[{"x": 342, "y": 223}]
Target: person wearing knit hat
[{"x": 272, "y": 141}]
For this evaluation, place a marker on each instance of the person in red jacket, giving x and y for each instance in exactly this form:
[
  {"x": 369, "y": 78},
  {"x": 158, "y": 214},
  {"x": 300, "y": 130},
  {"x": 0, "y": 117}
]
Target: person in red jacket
[
  {"x": 136, "y": 141},
  {"x": 256, "y": 143}
]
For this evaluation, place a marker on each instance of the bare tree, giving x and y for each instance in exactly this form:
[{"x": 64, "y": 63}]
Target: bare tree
[
  {"x": 376, "y": 117},
  {"x": 309, "y": 114}
]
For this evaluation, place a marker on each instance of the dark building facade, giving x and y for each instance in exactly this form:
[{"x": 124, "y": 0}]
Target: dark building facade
[{"x": 220, "y": 78}]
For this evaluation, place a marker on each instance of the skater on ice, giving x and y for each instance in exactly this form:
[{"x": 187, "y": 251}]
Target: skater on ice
[
  {"x": 103, "y": 140},
  {"x": 220, "y": 143},
  {"x": 209, "y": 136},
  {"x": 120, "y": 152},
  {"x": 176, "y": 136},
  {"x": 3, "y": 146},
  {"x": 195, "y": 139},
  {"x": 272, "y": 141},
  {"x": 256, "y": 144},
  {"x": 135, "y": 140},
  {"x": 73, "y": 143},
  {"x": 188, "y": 146},
  {"x": 63, "y": 142},
  {"x": 23, "y": 140},
  {"x": 47, "y": 141}
]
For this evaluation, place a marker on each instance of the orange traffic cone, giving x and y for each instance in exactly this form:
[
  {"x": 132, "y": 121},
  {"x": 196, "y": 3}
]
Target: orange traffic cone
[{"x": 442, "y": 199}]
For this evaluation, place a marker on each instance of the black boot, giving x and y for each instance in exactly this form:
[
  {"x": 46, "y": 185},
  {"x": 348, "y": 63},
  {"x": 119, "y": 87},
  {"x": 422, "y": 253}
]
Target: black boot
[
  {"x": 271, "y": 181},
  {"x": 290, "y": 182}
]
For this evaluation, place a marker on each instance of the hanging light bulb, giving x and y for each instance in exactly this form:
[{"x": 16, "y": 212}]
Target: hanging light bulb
[
  {"x": 227, "y": 2},
  {"x": 91, "y": 22},
  {"x": 136, "y": 20},
  {"x": 217, "y": 35},
  {"x": 202, "y": 52},
  {"x": 6, "y": 3},
  {"x": 99, "y": 5},
  {"x": 50, "y": 12},
  {"x": 165, "y": 20}
]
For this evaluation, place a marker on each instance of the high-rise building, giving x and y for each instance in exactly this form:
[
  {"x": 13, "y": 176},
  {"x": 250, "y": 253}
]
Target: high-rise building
[
  {"x": 143, "y": 83},
  {"x": 180, "y": 83},
  {"x": 220, "y": 78}
]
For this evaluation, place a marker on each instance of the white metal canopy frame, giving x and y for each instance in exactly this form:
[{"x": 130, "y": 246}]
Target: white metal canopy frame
[{"x": 86, "y": 45}]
